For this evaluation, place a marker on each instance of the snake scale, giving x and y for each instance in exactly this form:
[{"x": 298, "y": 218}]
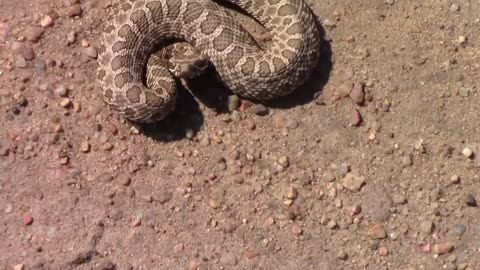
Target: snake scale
[{"x": 139, "y": 27}]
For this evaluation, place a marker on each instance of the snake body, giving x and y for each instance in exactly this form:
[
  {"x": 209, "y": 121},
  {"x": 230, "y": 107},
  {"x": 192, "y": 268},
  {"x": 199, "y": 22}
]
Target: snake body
[{"x": 144, "y": 94}]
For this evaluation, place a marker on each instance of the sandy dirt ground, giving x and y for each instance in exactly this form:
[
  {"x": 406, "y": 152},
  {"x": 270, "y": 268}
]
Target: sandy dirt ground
[{"x": 373, "y": 164}]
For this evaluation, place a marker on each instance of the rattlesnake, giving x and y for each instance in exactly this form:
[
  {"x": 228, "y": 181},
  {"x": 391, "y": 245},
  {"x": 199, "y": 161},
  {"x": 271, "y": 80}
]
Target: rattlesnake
[{"x": 140, "y": 27}]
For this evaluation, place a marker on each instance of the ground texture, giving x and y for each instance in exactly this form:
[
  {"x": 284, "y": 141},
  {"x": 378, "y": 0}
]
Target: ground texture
[{"x": 372, "y": 165}]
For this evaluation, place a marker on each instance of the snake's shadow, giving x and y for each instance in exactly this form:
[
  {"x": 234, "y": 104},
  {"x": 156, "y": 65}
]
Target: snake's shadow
[{"x": 209, "y": 91}]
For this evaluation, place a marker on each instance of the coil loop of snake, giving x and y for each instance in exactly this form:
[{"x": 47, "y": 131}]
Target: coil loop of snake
[{"x": 147, "y": 94}]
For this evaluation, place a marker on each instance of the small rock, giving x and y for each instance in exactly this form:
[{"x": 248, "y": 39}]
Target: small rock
[
  {"x": 75, "y": 10},
  {"x": 214, "y": 203},
  {"x": 123, "y": 179},
  {"x": 377, "y": 231},
  {"x": 355, "y": 118},
  {"x": 353, "y": 182},
  {"x": 459, "y": 229},
  {"x": 91, "y": 52},
  {"x": 136, "y": 222},
  {"x": 463, "y": 92},
  {"x": 442, "y": 248},
  {"x": 61, "y": 91},
  {"x": 46, "y": 21},
  {"x": 291, "y": 193},
  {"x": 426, "y": 226},
  {"x": 382, "y": 251},
  {"x": 344, "y": 89},
  {"x": 4, "y": 32},
  {"x": 178, "y": 247},
  {"x": 354, "y": 210},
  {"x": 467, "y": 152},
  {"x": 34, "y": 34},
  {"x": 357, "y": 94},
  {"x": 328, "y": 176},
  {"x": 259, "y": 109},
  {"x": 342, "y": 255},
  {"x": 27, "y": 219},
  {"x": 471, "y": 201},
  {"x": 65, "y": 102},
  {"x": 85, "y": 146},
  {"x": 454, "y": 179},
  {"x": 19, "y": 267},
  {"x": 77, "y": 107},
  {"x": 28, "y": 54},
  {"x": 398, "y": 199},
  {"x": 250, "y": 254},
  {"x": 297, "y": 230},
  {"x": 284, "y": 162},
  {"x": 108, "y": 147},
  {"x": 406, "y": 161},
  {"x": 332, "y": 224},
  {"x": 71, "y": 36},
  {"x": 4, "y": 147},
  {"x": 233, "y": 103},
  {"x": 20, "y": 62},
  {"x": 454, "y": 7}
]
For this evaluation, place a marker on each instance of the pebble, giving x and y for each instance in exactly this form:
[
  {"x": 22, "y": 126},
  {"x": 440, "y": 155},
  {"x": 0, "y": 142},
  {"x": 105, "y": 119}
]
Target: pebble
[
  {"x": 4, "y": 147},
  {"x": 34, "y": 33},
  {"x": 107, "y": 147},
  {"x": 85, "y": 146},
  {"x": 250, "y": 254},
  {"x": 297, "y": 230},
  {"x": 467, "y": 152},
  {"x": 61, "y": 91},
  {"x": 471, "y": 201},
  {"x": 284, "y": 162},
  {"x": 27, "y": 219},
  {"x": 426, "y": 226},
  {"x": 71, "y": 37},
  {"x": 46, "y": 21},
  {"x": 454, "y": 7},
  {"x": 123, "y": 179},
  {"x": 353, "y": 182},
  {"x": 332, "y": 224},
  {"x": 233, "y": 103},
  {"x": 382, "y": 251},
  {"x": 455, "y": 179},
  {"x": 178, "y": 247},
  {"x": 4, "y": 31},
  {"x": 20, "y": 62},
  {"x": 65, "y": 102},
  {"x": 407, "y": 161},
  {"x": 259, "y": 109},
  {"x": 342, "y": 255},
  {"x": 77, "y": 106},
  {"x": 75, "y": 10},
  {"x": 442, "y": 248},
  {"x": 357, "y": 94},
  {"x": 344, "y": 89},
  {"x": 390, "y": 2},
  {"x": 91, "y": 52},
  {"x": 459, "y": 229},
  {"x": 398, "y": 199},
  {"x": 355, "y": 210},
  {"x": 355, "y": 118},
  {"x": 328, "y": 176},
  {"x": 19, "y": 267},
  {"x": 27, "y": 53},
  {"x": 377, "y": 231},
  {"x": 291, "y": 193}
]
